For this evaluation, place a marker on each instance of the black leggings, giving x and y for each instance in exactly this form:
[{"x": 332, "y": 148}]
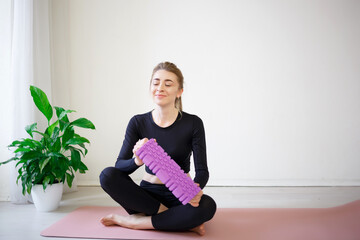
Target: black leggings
[{"x": 147, "y": 197}]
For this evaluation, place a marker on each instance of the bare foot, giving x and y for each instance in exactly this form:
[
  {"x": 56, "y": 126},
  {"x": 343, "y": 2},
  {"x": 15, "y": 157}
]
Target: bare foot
[
  {"x": 110, "y": 220},
  {"x": 199, "y": 230},
  {"x": 134, "y": 221}
]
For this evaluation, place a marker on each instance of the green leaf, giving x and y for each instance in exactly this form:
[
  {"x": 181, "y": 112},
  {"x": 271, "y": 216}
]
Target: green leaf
[
  {"x": 26, "y": 143},
  {"x": 29, "y": 186},
  {"x": 41, "y": 101},
  {"x": 15, "y": 143},
  {"x": 82, "y": 167},
  {"x": 11, "y": 159},
  {"x": 64, "y": 114},
  {"x": 17, "y": 179},
  {"x": 69, "y": 179},
  {"x": 58, "y": 110},
  {"x": 83, "y": 146},
  {"x": 31, "y": 155},
  {"x": 75, "y": 159},
  {"x": 44, "y": 141},
  {"x": 43, "y": 163},
  {"x": 55, "y": 134},
  {"x": 30, "y": 129},
  {"x": 20, "y": 162},
  {"x": 29, "y": 142},
  {"x": 22, "y": 150},
  {"x": 77, "y": 149},
  {"x": 62, "y": 119},
  {"x": 56, "y": 154},
  {"x": 23, "y": 188},
  {"x": 37, "y": 177},
  {"x": 84, "y": 123},
  {"x": 63, "y": 124},
  {"x": 61, "y": 113},
  {"x": 57, "y": 145},
  {"x": 68, "y": 134},
  {"x": 20, "y": 172},
  {"x": 63, "y": 164},
  {"x": 75, "y": 141},
  {"x": 46, "y": 182},
  {"x": 51, "y": 128}
]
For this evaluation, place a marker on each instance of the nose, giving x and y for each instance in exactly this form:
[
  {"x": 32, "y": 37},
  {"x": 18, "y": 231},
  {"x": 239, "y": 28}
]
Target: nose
[{"x": 160, "y": 87}]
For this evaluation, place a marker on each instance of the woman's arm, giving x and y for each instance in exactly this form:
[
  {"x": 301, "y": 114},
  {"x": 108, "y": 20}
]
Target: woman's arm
[
  {"x": 125, "y": 160},
  {"x": 199, "y": 153}
]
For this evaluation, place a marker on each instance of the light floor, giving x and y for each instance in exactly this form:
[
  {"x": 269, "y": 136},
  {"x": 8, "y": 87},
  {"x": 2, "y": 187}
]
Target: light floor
[{"x": 24, "y": 222}]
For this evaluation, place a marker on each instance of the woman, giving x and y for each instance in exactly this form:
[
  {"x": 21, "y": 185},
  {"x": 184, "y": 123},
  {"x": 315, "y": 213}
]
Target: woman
[{"x": 151, "y": 205}]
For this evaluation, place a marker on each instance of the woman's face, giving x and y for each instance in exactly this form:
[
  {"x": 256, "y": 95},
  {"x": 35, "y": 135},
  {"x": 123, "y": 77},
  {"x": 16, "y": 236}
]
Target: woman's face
[{"x": 165, "y": 88}]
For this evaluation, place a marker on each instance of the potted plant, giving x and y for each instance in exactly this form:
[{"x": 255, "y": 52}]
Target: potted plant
[{"x": 53, "y": 157}]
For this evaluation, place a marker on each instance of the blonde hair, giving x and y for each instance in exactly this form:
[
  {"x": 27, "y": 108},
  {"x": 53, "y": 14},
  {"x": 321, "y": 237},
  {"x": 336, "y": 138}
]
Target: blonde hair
[{"x": 171, "y": 67}]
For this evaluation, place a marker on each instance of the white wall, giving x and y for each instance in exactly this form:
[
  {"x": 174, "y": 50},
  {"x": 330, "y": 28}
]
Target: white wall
[{"x": 277, "y": 83}]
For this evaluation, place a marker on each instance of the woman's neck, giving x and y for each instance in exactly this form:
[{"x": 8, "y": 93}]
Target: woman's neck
[{"x": 164, "y": 117}]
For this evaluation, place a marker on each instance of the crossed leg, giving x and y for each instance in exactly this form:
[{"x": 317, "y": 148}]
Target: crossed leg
[{"x": 146, "y": 212}]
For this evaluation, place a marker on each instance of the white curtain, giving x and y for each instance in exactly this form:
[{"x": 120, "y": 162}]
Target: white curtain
[
  {"x": 30, "y": 65},
  {"x": 26, "y": 61},
  {"x": 21, "y": 76}
]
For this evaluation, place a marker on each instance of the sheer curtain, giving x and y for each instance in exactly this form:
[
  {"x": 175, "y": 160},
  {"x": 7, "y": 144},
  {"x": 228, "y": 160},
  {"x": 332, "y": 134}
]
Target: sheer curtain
[
  {"x": 30, "y": 65},
  {"x": 21, "y": 76},
  {"x": 26, "y": 61}
]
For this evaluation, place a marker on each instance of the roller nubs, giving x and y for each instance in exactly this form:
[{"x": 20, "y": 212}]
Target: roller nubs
[{"x": 168, "y": 171}]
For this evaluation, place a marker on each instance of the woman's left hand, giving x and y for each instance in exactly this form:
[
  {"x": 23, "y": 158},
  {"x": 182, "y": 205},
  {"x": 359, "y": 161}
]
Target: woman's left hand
[{"x": 195, "y": 201}]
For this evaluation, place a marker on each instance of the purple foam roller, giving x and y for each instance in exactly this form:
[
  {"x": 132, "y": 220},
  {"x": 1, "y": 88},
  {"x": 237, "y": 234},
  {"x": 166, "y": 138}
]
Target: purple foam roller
[{"x": 168, "y": 171}]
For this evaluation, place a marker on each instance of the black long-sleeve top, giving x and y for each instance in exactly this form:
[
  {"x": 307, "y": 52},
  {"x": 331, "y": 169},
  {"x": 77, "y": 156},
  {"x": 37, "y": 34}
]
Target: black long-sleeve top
[{"x": 184, "y": 137}]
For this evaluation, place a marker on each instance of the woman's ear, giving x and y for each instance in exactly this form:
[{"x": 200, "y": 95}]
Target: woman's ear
[{"x": 180, "y": 93}]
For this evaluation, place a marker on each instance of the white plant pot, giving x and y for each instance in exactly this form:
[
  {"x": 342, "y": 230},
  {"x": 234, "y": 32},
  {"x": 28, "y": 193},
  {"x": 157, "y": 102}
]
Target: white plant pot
[{"x": 48, "y": 200}]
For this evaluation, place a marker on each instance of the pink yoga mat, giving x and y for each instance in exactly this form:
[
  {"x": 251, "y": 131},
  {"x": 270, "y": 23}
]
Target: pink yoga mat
[{"x": 338, "y": 223}]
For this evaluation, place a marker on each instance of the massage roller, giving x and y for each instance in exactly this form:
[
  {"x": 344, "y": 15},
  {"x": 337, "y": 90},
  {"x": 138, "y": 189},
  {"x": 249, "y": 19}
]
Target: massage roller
[{"x": 168, "y": 171}]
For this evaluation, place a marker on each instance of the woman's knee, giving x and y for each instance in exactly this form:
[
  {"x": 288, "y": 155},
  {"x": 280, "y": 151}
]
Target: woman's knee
[
  {"x": 208, "y": 207},
  {"x": 109, "y": 176},
  {"x": 104, "y": 176}
]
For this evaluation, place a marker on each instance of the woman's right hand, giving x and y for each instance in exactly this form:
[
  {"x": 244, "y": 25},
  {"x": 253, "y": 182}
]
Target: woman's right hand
[{"x": 137, "y": 146}]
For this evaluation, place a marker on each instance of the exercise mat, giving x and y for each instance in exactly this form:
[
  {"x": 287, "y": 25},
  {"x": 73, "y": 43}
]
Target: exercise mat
[{"x": 342, "y": 222}]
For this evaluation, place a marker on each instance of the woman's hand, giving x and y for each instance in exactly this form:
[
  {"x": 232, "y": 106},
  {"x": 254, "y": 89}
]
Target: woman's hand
[
  {"x": 137, "y": 146},
  {"x": 195, "y": 201}
]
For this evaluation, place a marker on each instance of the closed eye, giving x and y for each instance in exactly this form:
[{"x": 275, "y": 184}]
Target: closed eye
[
  {"x": 168, "y": 82},
  {"x": 156, "y": 82}
]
